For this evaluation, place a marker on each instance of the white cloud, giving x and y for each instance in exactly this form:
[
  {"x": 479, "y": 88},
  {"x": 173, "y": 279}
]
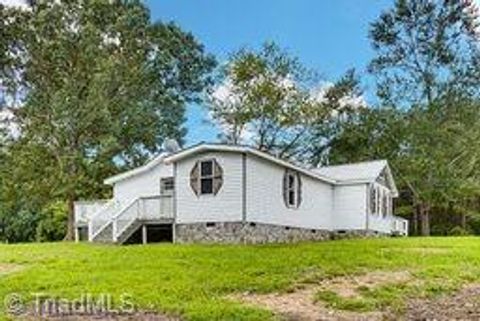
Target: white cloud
[
  {"x": 15, "y": 3},
  {"x": 476, "y": 12},
  {"x": 352, "y": 101},
  {"x": 7, "y": 121},
  {"x": 224, "y": 94}
]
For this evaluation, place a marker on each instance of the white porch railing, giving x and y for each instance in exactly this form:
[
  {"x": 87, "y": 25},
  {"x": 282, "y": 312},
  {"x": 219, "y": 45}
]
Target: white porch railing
[
  {"x": 142, "y": 209},
  {"x": 84, "y": 210},
  {"x": 125, "y": 218},
  {"x": 154, "y": 207},
  {"x": 102, "y": 218},
  {"x": 400, "y": 225}
]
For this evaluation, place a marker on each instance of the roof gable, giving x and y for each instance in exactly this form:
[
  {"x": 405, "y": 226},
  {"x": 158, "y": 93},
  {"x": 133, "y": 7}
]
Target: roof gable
[
  {"x": 358, "y": 173},
  {"x": 247, "y": 150},
  {"x": 365, "y": 171}
]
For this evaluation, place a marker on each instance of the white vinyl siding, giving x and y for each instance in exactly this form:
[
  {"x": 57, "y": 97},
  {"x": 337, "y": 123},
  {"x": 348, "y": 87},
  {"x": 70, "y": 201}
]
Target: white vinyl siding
[
  {"x": 349, "y": 212},
  {"x": 265, "y": 202},
  {"x": 226, "y": 206},
  {"x": 144, "y": 184},
  {"x": 323, "y": 205}
]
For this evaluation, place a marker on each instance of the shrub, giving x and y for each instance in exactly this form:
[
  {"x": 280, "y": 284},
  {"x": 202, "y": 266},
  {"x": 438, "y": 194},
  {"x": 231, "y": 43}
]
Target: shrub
[
  {"x": 458, "y": 231},
  {"x": 52, "y": 225},
  {"x": 18, "y": 226}
]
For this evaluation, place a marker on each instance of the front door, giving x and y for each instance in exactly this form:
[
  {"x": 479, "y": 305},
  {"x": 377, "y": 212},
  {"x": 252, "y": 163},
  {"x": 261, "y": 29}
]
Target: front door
[{"x": 167, "y": 186}]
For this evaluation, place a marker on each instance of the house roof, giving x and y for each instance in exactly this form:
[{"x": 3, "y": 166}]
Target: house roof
[
  {"x": 358, "y": 173},
  {"x": 364, "y": 172},
  {"x": 201, "y": 148}
]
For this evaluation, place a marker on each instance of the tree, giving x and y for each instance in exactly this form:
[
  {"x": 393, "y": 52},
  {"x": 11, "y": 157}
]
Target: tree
[
  {"x": 94, "y": 87},
  {"x": 427, "y": 53},
  {"x": 433, "y": 152},
  {"x": 268, "y": 99},
  {"x": 51, "y": 225},
  {"x": 345, "y": 101},
  {"x": 425, "y": 49}
]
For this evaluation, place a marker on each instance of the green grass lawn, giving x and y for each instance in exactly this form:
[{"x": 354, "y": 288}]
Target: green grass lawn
[{"x": 193, "y": 281}]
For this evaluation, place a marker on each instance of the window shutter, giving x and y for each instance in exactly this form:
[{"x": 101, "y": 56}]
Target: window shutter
[
  {"x": 218, "y": 178},
  {"x": 299, "y": 190},
  {"x": 194, "y": 178},
  {"x": 285, "y": 188}
]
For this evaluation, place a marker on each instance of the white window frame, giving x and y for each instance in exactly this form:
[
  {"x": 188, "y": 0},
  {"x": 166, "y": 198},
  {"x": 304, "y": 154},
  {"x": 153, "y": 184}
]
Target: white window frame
[
  {"x": 381, "y": 195},
  {"x": 294, "y": 189},
  {"x": 384, "y": 203},
  {"x": 201, "y": 176},
  {"x": 390, "y": 204},
  {"x": 378, "y": 196},
  {"x": 373, "y": 209},
  {"x": 167, "y": 185}
]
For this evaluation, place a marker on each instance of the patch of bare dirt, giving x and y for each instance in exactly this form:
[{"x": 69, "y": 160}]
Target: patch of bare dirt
[
  {"x": 7, "y": 268},
  {"x": 138, "y": 316},
  {"x": 347, "y": 286},
  {"x": 463, "y": 305},
  {"x": 428, "y": 250},
  {"x": 299, "y": 305}
]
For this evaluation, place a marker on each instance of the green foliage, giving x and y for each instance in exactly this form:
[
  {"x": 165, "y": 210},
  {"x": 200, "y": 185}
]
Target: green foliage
[
  {"x": 428, "y": 78},
  {"x": 18, "y": 226},
  {"x": 95, "y": 87},
  {"x": 425, "y": 50},
  {"x": 433, "y": 153},
  {"x": 474, "y": 224},
  {"x": 268, "y": 99},
  {"x": 458, "y": 231},
  {"x": 52, "y": 225},
  {"x": 22, "y": 224}
]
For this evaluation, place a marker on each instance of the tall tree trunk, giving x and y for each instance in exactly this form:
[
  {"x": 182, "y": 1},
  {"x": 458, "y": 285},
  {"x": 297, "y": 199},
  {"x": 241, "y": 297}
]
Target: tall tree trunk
[
  {"x": 416, "y": 209},
  {"x": 70, "y": 236},
  {"x": 71, "y": 193},
  {"x": 463, "y": 215},
  {"x": 463, "y": 220},
  {"x": 425, "y": 219}
]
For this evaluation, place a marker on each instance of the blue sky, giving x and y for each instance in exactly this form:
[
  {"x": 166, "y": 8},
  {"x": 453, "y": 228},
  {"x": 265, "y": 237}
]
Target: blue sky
[{"x": 329, "y": 36}]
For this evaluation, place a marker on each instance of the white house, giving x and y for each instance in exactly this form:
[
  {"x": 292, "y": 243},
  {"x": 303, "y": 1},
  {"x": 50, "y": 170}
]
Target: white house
[{"x": 236, "y": 194}]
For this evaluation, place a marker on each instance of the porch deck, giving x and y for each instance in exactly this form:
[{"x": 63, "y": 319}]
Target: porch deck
[{"x": 114, "y": 221}]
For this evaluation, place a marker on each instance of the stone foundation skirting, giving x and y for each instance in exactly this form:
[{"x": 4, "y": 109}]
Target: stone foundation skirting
[
  {"x": 245, "y": 233},
  {"x": 355, "y": 234}
]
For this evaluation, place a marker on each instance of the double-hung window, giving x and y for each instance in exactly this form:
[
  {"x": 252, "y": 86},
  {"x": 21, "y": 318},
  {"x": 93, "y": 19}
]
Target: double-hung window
[
  {"x": 292, "y": 189},
  {"x": 167, "y": 185},
  {"x": 384, "y": 204},
  {"x": 373, "y": 200},
  {"x": 206, "y": 177}
]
